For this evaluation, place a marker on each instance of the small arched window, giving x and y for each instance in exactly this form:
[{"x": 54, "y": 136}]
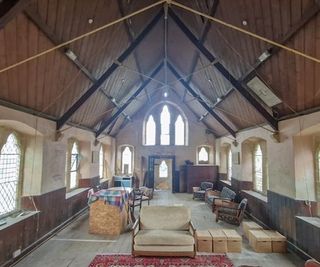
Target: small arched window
[
  {"x": 163, "y": 169},
  {"x": 258, "y": 169},
  {"x": 10, "y": 158},
  {"x": 203, "y": 155},
  {"x": 74, "y": 166},
  {"x": 126, "y": 159},
  {"x": 229, "y": 164},
  {"x": 150, "y": 131},
  {"x": 101, "y": 162},
  {"x": 179, "y": 131},
  {"x": 165, "y": 126}
]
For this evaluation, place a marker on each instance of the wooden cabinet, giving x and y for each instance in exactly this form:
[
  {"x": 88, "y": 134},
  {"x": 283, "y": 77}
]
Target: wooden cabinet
[{"x": 193, "y": 175}]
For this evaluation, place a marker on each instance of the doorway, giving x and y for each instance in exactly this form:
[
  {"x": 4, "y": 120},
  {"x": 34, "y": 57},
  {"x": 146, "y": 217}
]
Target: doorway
[{"x": 161, "y": 173}]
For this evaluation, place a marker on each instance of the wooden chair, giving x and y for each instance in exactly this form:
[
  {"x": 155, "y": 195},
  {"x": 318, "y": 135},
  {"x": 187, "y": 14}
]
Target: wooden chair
[
  {"x": 231, "y": 212},
  {"x": 135, "y": 200}
]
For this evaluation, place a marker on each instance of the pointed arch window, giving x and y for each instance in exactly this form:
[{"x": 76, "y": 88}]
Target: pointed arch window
[
  {"x": 10, "y": 158},
  {"x": 74, "y": 166},
  {"x": 163, "y": 169},
  {"x": 229, "y": 164},
  {"x": 179, "y": 131},
  {"x": 150, "y": 131},
  {"x": 203, "y": 155},
  {"x": 165, "y": 126},
  {"x": 258, "y": 169},
  {"x": 126, "y": 160},
  {"x": 101, "y": 162}
]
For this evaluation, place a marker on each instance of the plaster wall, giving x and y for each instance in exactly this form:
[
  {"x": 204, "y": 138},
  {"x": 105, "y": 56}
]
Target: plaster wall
[
  {"x": 290, "y": 162},
  {"x": 45, "y": 158},
  {"x": 132, "y": 134}
]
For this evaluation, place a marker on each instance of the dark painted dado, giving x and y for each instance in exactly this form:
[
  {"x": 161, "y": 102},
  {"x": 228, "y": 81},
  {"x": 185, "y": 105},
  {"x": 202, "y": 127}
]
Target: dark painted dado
[
  {"x": 89, "y": 182},
  {"x": 54, "y": 209},
  {"x": 308, "y": 229}
]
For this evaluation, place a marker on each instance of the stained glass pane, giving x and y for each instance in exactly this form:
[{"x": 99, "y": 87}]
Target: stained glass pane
[
  {"x": 9, "y": 175},
  {"x": 101, "y": 165},
  {"x": 150, "y": 131},
  {"x": 203, "y": 155},
  {"x": 179, "y": 131},
  {"x": 229, "y": 164},
  {"x": 258, "y": 173},
  {"x": 165, "y": 126}
]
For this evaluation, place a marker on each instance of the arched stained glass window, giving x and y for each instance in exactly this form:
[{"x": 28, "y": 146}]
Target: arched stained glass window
[
  {"x": 203, "y": 155},
  {"x": 179, "y": 131},
  {"x": 229, "y": 164},
  {"x": 101, "y": 162},
  {"x": 150, "y": 131},
  {"x": 126, "y": 160},
  {"x": 258, "y": 169},
  {"x": 165, "y": 126},
  {"x": 163, "y": 170},
  {"x": 74, "y": 167},
  {"x": 10, "y": 157}
]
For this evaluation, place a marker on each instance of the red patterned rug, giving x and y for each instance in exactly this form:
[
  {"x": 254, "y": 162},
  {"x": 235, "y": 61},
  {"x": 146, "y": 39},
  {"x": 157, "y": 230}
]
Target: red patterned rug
[{"x": 127, "y": 260}]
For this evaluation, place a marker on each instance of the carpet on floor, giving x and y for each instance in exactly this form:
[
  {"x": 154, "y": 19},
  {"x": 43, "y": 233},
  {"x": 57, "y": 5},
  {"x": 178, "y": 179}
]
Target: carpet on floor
[{"x": 120, "y": 260}]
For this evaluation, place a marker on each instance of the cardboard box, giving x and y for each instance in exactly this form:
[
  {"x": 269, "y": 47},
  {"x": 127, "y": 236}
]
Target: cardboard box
[
  {"x": 234, "y": 240},
  {"x": 260, "y": 241},
  {"x": 219, "y": 241},
  {"x": 278, "y": 241},
  {"x": 204, "y": 241},
  {"x": 250, "y": 225}
]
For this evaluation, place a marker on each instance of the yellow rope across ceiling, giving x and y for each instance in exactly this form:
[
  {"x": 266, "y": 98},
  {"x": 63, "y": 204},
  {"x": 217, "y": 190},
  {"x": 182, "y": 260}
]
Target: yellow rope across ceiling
[{"x": 297, "y": 52}]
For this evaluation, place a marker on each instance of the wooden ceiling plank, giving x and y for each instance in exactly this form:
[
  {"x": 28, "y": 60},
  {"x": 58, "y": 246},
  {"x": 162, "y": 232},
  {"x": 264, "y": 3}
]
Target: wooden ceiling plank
[
  {"x": 107, "y": 122},
  {"x": 234, "y": 82},
  {"x": 10, "y": 9},
  {"x": 296, "y": 27},
  {"x": 203, "y": 36},
  {"x": 95, "y": 86},
  {"x": 200, "y": 100}
]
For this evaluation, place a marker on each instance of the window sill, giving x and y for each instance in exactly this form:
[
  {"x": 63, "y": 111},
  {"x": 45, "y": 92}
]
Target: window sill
[
  {"x": 76, "y": 192},
  {"x": 315, "y": 221},
  {"x": 226, "y": 182},
  {"x": 13, "y": 220},
  {"x": 256, "y": 195}
]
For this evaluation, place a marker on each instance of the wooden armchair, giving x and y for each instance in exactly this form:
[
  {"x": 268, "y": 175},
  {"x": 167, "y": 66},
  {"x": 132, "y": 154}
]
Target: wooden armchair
[
  {"x": 200, "y": 192},
  {"x": 231, "y": 212},
  {"x": 213, "y": 195}
]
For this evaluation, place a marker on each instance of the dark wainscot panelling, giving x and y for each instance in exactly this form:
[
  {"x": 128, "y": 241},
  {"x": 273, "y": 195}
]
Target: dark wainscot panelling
[
  {"x": 308, "y": 235},
  {"x": 54, "y": 209}
]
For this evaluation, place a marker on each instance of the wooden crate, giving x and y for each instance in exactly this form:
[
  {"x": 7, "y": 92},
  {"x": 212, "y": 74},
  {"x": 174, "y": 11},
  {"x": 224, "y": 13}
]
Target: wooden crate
[
  {"x": 234, "y": 240},
  {"x": 250, "y": 225},
  {"x": 278, "y": 241},
  {"x": 219, "y": 241},
  {"x": 204, "y": 241},
  {"x": 260, "y": 241},
  {"x": 105, "y": 219}
]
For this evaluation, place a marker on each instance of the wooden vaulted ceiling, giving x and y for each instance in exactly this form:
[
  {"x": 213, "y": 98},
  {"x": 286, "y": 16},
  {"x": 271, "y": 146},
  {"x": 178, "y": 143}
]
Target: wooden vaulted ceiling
[{"x": 53, "y": 84}]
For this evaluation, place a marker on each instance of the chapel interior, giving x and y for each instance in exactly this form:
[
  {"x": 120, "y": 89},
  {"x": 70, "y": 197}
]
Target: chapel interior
[{"x": 112, "y": 109}]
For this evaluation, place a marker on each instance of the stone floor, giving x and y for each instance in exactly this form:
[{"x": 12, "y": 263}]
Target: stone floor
[{"x": 74, "y": 246}]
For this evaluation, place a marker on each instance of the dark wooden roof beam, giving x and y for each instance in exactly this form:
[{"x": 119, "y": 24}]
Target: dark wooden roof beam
[
  {"x": 227, "y": 75},
  {"x": 200, "y": 100},
  {"x": 105, "y": 124},
  {"x": 95, "y": 86}
]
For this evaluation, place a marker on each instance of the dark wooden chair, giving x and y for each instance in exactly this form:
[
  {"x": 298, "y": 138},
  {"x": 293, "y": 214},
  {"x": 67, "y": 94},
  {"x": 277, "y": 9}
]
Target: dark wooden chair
[
  {"x": 135, "y": 200},
  {"x": 231, "y": 212},
  {"x": 312, "y": 263}
]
